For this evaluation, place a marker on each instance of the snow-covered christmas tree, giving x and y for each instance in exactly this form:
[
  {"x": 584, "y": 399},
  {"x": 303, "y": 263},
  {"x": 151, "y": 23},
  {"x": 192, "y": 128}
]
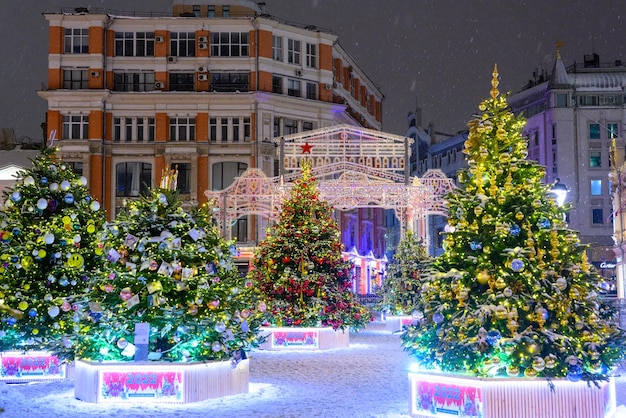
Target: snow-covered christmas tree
[
  {"x": 170, "y": 269},
  {"x": 299, "y": 268},
  {"x": 48, "y": 226},
  {"x": 513, "y": 294},
  {"x": 400, "y": 291}
]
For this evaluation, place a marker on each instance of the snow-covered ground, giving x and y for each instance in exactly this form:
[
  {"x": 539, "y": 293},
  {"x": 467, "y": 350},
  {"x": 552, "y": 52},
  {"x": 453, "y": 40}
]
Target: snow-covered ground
[{"x": 367, "y": 379}]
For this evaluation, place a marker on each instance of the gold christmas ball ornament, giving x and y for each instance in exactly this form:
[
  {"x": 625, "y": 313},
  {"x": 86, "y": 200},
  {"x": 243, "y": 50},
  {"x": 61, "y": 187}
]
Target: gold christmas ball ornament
[
  {"x": 550, "y": 361},
  {"x": 501, "y": 199},
  {"x": 519, "y": 216},
  {"x": 538, "y": 364},
  {"x": 482, "y": 277},
  {"x": 512, "y": 371}
]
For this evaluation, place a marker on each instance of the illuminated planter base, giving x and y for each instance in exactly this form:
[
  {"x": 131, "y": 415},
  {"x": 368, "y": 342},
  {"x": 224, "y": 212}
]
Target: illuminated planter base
[
  {"x": 443, "y": 395},
  {"x": 313, "y": 338},
  {"x": 397, "y": 323},
  {"x": 158, "y": 382},
  {"x": 30, "y": 366}
]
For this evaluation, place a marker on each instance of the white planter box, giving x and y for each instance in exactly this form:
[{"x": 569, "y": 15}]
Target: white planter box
[
  {"x": 31, "y": 366},
  {"x": 159, "y": 382},
  {"x": 309, "y": 338},
  {"x": 446, "y": 395},
  {"x": 397, "y": 323}
]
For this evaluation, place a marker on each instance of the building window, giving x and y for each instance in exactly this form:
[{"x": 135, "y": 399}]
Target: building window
[
  {"x": 183, "y": 181},
  {"x": 597, "y": 216},
  {"x": 181, "y": 81},
  {"x": 290, "y": 126},
  {"x": 594, "y": 131},
  {"x": 277, "y": 84},
  {"x": 225, "y": 11},
  {"x": 311, "y": 91},
  {"x": 76, "y": 41},
  {"x": 211, "y": 11},
  {"x": 225, "y": 173},
  {"x": 554, "y": 134},
  {"x": 561, "y": 100},
  {"x": 133, "y": 129},
  {"x": 277, "y": 127},
  {"x": 132, "y": 179},
  {"x": 196, "y": 10},
  {"x": 612, "y": 130},
  {"x": 311, "y": 55},
  {"x": 75, "y": 126},
  {"x": 536, "y": 138},
  {"x": 293, "y": 87},
  {"x": 213, "y": 129},
  {"x": 76, "y": 166},
  {"x": 596, "y": 187},
  {"x": 183, "y": 44},
  {"x": 75, "y": 79},
  {"x": 246, "y": 129},
  {"x": 230, "y": 82},
  {"x": 307, "y": 126},
  {"x": 134, "y": 44},
  {"x": 277, "y": 48},
  {"x": 293, "y": 51},
  {"x": 133, "y": 81},
  {"x": 182, "y": 129},
  {"x": 230, "y": 44},
  {"x": 595, "y": 159}
]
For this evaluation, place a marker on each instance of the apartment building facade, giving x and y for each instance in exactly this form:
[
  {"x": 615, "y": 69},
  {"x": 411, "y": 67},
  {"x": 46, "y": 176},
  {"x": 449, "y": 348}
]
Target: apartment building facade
[{"x": 204, "y": 89}]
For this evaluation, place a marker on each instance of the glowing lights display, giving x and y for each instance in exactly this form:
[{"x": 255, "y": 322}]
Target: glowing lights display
[{"x": 19, "y": 367}]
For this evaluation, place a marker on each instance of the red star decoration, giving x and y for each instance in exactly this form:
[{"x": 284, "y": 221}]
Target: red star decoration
[{"x": 306, "y": 148}]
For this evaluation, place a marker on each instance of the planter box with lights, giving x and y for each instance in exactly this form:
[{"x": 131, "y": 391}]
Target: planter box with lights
[
  {"x": 18, "y": 367},
  {"x": 444, "y": 395},
  {"x": 397, "y": 323},
  {"x": 159, "y": 382},
  {"x": 310, "y": 338}
]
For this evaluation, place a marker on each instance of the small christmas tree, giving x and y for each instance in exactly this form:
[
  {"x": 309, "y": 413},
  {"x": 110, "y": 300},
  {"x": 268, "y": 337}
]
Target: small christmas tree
[
  {"x": 48, "y": 227},
  {"x": 299, "y": 269},
  {"x": 400, "y": 291},
  {"x": 170, "y": 269},
  {"x": 513, "y": 294}
]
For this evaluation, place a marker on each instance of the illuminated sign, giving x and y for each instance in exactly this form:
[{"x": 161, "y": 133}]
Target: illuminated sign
[
  {"x": 29, "y": 366},
  {"x": 142, "y": 385},
  {"x": 446, "y": 399},
  {"x": 299, "y": 339}
]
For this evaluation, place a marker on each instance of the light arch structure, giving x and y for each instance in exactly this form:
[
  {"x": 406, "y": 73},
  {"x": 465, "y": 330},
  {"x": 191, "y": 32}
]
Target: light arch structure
[{"x": 354, "y": 168}]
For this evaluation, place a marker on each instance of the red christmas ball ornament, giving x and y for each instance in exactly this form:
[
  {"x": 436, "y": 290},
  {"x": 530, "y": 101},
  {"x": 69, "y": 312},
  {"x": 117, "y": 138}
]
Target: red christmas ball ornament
[{"x": 286, "y": 259}]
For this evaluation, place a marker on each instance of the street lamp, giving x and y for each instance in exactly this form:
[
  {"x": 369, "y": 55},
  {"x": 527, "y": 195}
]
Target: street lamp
[{"x": 559, "y": 190}]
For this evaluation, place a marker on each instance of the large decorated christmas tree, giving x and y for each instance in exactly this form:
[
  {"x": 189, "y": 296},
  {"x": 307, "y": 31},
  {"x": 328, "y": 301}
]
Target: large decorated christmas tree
[
  {"x": 400, "y": 291},
  {"x": 48, "y": 227},
  {"x": 513, "y": 294},
  {"x": 299, "y": 268},
  {"x": 169, "y": 270}
]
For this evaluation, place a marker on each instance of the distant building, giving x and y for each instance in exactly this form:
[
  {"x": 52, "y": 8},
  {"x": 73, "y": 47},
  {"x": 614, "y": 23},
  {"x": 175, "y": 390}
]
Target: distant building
[{"x": 204, "y": 89}]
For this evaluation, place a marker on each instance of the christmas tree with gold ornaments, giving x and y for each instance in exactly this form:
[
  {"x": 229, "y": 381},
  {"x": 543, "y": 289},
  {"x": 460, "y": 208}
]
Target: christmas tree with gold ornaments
[
  {"x": 400, "y": 291},
  {"x": 299, "y": 269},
  {"x": 513, "y": 294},
  {"x": 48, "y": 226},
  {"x": 168, "y": 269}
]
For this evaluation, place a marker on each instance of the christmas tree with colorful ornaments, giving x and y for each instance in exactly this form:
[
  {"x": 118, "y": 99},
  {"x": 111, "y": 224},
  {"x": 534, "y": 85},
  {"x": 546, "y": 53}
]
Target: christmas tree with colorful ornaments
[
  {"x": 513, "y": 294},
  {"x": 299, "y": 268},
  {"x": 169, "y": 270},
  {"x": 48, "y": 226}
]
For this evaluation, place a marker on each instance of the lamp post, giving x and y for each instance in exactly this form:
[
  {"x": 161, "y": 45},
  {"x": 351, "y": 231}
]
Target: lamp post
[{"x": 559, "y": 190}]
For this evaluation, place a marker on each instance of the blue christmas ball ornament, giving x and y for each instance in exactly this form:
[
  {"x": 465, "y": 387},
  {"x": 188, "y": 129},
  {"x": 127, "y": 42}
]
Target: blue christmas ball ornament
[
  {"x": 44, "y": 181},
  {"x": 16, "y": 196},
  {"x": 515, "y": 230},
  {"x": 493, "y": 336},
  {"x": 544, "y": 223},
  {"x": 12, "y": 320},
  {"x": 32, "y": 313},
  {"x": 438, "y": 317},
  {"x": 475, "y": 245},
  {"x": 517, "y": 265},
  {"x": 575, "y": 373},
  {"x": 69, "y": 199}
]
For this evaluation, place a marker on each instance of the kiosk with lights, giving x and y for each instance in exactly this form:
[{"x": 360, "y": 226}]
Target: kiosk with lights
[
  {"x": 169, "y": 318},
  {"x": 513, "y": 324}
]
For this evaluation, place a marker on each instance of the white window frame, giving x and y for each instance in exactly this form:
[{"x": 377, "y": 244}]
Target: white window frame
[
  {"x": 182, "y": 129},
  {"x": 76, "y": 41},
  {"x": 277, "y": 48},
  {"x": 183, "y": 44},
  {"x": 130, "y": 42},
  {"x": 134, "y": 129},
  {"x": 294, "y": 51},
  {"x": 75, "y": 126},
  {"x": 230, "y": 44},
  {"x": 75, "y": 78},
  {"x": 311, "y": 55}
]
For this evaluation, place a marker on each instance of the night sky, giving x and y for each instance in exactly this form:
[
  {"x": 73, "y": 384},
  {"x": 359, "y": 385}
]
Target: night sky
[{"x": 437, "y": 54}]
